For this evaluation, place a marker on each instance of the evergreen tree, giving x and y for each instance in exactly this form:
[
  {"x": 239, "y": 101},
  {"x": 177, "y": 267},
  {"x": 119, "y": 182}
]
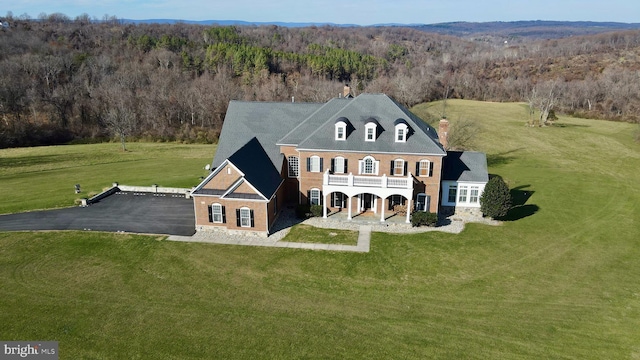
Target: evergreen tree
[{"x": 495, "y": 200}]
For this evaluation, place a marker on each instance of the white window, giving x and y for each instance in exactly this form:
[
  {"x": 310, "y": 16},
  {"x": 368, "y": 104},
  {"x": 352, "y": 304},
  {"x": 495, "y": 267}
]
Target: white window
[
  {"x": 462, "y": 194},
  {"x": 245, "y": 217},
  {"x": 216, "y": 213},
  {"x": 341, "y": 131},
  {"x": 294, "y": 166},
  {"x": 473, "y": 197},
  {"x": 453, "y": 192},
  {"x": 422, "y": 202},
  {"x": 401, "y": 132},
  {"x": 370, "y": 131},
  {"x": 398, "y": 167},
  {"x": 314, "y": 197},
  {"x": 424, "y": 168},
  {"x": 369, "y": 166},
  {"x": 339, "y": 165},
  {"x": 314, "y": 164}
]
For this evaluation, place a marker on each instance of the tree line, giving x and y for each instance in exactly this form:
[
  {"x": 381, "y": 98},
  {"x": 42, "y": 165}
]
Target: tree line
[{"x": 80, "y": 79}]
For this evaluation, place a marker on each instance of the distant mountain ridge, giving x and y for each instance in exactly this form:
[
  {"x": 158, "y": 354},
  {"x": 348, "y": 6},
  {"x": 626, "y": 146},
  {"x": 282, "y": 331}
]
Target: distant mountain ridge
[{"x": 507, "y": 29}]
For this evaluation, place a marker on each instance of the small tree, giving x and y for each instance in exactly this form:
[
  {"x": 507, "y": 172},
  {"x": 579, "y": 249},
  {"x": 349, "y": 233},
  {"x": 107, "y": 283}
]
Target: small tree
[{"x": 495, "y": 200}]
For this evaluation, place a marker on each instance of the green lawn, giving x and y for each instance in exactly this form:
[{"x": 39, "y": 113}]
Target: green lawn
[
  {"x": 308, "y": 234},
  {"x": 561, "y": 280},
  {"x": 44, "y": 177}
]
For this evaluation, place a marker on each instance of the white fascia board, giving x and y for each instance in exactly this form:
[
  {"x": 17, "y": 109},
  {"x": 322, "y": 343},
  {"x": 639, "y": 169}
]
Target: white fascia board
[{"x": 371, "y": 152}]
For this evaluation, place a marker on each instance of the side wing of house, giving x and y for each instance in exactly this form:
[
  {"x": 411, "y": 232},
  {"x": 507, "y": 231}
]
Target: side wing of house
[
  {"x": 463, "y": 180},
  {"x": 240, "y": 194}
]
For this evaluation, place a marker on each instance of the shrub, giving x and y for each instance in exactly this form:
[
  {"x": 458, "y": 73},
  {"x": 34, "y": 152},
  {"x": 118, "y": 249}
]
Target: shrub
[
  {"x": 316, "y": 210},
  {"x": 423, "y": 218},
  {"x": 495, "y": 200}
]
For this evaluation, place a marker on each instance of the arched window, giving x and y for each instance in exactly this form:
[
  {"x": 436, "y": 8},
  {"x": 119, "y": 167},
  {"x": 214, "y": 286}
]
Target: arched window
[{"x": 369, "y": 166}]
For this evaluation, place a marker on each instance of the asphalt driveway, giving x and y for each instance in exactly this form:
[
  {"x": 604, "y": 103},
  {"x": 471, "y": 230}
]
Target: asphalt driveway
[{"x": 146, "y": 213}]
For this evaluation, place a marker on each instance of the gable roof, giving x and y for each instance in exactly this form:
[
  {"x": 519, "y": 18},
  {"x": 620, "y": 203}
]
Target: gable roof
[
  {"x": 468, "y": 166},
  {"x": 253, "y": 161},
  {"x": 266, "y": 121},
  {"x": 317, "y": 132}
]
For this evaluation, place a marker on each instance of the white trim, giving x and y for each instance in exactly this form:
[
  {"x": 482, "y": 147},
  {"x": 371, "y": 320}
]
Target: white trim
[
  {"x": 370, "y": 126},
  {"x": 320, "y": 202},
  {"x": 428, "y": 168},
  {"x": 368, "y": 151},
  {"x": 393, "y": 171},
  {"x": 362, "y": 166},
  {"x": 335, "y": 165},
  {"x": 213, "y": 214},
  {"x": 249, "y": 218},
  {"x": 237, "y": 184},
  {"x": 312, "y": 168},
  {"x": 405, "y": 129},
  {"x": 215, "y": 172},
  {"x": 340, "y": 125},
  {"x": 468, "y": 185}
]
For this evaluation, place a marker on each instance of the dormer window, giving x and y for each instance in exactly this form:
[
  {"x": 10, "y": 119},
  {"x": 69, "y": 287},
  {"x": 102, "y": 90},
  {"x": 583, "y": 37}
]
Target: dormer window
[
  {"x": 341, "y": 129},
  {"x": 401, "y": 131},
  {"x": 370, "y": 130},
  {"x": 371, "y": 134}
]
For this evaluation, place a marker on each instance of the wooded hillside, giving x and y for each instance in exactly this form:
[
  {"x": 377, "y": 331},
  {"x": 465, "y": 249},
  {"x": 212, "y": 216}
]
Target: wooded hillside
[{"x": 64, "y": 79}]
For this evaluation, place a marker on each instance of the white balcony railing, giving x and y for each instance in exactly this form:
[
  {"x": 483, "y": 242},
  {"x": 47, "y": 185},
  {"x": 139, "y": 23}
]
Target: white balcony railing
[{"x": 383, "y": 181}]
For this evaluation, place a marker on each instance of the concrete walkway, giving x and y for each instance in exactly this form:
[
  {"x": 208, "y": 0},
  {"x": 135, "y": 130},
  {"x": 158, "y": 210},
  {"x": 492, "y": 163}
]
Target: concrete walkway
[{"x": 364, "y": 241}]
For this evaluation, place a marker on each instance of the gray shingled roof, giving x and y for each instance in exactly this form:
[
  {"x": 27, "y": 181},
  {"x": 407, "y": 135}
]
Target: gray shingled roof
[
  {"x": 311, "y": 126},
  {"x": 314, "y": 121},
  {"x": 422, "y": 138},
  {"x": 465, "y": 166},
  {"x": 254, "y": 162},
  {"x": 266, "y": 121}
]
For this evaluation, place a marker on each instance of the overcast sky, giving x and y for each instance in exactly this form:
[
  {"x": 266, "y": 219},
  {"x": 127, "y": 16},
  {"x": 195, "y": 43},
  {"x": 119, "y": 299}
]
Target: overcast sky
[{"x": 361, "y": 12}]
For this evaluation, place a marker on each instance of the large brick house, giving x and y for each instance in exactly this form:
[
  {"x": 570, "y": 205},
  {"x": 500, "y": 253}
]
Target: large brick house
[{"x": 366, "y": 154}]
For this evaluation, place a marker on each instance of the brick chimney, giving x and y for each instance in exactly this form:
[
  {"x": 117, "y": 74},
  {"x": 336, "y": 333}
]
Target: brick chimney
[
  {"x": 346, "y": 91},
  {"x": 443, "y": 133}
]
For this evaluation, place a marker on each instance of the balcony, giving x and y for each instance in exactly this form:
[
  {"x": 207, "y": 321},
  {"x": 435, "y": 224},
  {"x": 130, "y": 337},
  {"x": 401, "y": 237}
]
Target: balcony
[{"x": 383, "y": 181}]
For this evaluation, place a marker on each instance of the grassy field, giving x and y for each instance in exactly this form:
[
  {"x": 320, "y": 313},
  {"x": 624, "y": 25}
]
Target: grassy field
[
  {"x": 309, "y": 234},
  {"x": 44, "y": 177},
  {"x": 561, "y": 280}
]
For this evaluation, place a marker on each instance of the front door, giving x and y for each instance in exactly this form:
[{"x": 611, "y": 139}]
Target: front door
[{"x": 366, "y": 202}]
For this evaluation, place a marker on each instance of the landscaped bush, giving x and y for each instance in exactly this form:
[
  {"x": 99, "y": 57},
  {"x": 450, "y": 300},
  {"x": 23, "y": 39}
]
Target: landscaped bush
[
  {"x": 304, "y": 211},
  {"x": 316, "y": 210},
  {"x": 423, "y": 218},
  {"x": 495, "y": 201}
]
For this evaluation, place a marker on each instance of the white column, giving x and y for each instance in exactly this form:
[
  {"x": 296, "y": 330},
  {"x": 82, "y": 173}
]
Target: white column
[
  {"x": 324, "y": 205},
  {"x": 408, "y": 210},
  {"x": 382, "y": 210},
  {"x": 349, "y": 207}
]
